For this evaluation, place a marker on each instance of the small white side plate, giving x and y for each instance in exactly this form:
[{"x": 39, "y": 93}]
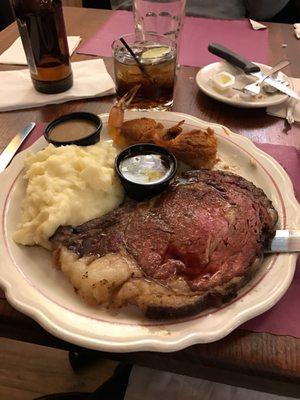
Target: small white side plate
[{"x": 234, "y": 97}]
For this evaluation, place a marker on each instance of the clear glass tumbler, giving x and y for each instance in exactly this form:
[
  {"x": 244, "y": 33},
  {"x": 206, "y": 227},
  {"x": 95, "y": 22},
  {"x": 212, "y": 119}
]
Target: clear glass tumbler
[
  {"x": 154, "y": 71},
  {"x": 121, "y": 4},
  {"x": 163, "y": 17}
]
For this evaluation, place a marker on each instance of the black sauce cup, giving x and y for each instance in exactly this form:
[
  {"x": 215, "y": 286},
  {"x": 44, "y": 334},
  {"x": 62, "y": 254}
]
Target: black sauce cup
[
  {"x": 90, "y": 138},
  {"x": 140, "y": 191}
]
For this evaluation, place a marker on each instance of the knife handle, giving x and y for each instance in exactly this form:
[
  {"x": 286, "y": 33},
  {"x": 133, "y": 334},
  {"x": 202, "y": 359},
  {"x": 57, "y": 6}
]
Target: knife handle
[{"x": 233, "y": 58}]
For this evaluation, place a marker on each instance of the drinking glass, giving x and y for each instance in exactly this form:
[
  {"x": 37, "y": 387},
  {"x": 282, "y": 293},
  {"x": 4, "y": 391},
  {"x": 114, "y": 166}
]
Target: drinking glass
[
  {"x": 121, "y": 4},
  {"x": 155, "y": 71},
  {"x": 164, "y": 17}
]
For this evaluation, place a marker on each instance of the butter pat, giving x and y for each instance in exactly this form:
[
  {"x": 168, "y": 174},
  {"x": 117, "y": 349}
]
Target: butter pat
[{"x": 223, "y": 81}]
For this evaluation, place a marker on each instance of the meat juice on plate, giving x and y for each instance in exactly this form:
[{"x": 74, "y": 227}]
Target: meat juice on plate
[{"x": 156, "y": 79}]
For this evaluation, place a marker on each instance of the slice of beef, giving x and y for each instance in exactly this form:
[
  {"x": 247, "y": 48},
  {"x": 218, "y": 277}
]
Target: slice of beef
[{"x": 192, "y": 247}]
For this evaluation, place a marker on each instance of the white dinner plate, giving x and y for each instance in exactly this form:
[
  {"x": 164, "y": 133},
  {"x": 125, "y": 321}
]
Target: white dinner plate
[
  {"x": 35, "y": 288},
  {"x": 233, "y": 97}
]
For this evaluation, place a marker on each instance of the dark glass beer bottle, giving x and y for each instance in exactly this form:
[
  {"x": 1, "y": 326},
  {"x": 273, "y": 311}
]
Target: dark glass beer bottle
[{"x": 42, "y": 30}]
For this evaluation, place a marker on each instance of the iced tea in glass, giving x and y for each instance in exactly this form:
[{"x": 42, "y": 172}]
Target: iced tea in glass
[{"x": 157, "y": 56}]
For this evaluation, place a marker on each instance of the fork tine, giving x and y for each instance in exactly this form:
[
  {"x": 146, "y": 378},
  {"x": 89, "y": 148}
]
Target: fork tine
[{"x": 239, "y": 90}]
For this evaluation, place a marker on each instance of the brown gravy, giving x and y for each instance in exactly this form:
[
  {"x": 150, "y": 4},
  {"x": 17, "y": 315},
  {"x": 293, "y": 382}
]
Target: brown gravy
[{"x": 72, "y": 130}]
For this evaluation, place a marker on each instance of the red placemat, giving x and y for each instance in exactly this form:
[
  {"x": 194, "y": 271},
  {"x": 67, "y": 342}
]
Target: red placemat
[
  {"x": 283, "y": 318},
  {"x": 196, "y": 35}
]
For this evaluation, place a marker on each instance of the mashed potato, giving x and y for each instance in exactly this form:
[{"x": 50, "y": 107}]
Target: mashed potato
[{"x": 67, "y": 185}]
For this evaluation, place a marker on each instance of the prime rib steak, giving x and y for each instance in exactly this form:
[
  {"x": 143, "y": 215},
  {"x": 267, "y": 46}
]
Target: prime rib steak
[{"x": 190, "y": 248}]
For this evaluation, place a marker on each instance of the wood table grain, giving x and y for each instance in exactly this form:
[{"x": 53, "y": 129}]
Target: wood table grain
[{"x": 255, "y": 360}]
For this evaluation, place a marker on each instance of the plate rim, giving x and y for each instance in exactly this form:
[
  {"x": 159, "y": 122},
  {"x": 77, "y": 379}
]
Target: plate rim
[
  {"x": 235, "y": 103},
  {"x": 157, "y": 343}
]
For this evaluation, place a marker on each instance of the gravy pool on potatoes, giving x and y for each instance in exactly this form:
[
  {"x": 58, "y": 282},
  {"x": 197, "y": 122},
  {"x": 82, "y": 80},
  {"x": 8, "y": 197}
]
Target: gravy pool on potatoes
[{"x": 72, "y": 130}]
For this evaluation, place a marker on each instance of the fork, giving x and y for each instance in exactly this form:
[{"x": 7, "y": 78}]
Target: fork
[{"x": 254, "y": 88}]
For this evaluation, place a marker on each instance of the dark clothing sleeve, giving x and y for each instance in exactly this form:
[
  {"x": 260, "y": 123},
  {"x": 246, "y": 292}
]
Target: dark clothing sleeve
[
  {"x": 97, "y": 4},
  {"x": 264, "y": 9},
  {"x": 6, "y": 15}
]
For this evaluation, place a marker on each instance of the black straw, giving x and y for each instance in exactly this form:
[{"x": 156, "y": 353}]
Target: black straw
[{"x": 141, "y": 66}]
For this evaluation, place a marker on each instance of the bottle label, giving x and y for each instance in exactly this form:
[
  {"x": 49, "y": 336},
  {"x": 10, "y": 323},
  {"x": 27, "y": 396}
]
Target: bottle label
[{"x": 27, "y": 46}]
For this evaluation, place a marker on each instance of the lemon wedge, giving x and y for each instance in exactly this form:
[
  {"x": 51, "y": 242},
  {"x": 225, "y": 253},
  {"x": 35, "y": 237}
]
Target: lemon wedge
[{"x": 156, "y": 52}]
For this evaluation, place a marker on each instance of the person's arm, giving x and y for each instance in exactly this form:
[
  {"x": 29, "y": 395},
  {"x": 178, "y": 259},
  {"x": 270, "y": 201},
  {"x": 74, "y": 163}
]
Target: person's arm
[
  {"x": 297, "y": 5},
  {"x": 96, "y": 4},
  {"x": 264, "y": 9}
]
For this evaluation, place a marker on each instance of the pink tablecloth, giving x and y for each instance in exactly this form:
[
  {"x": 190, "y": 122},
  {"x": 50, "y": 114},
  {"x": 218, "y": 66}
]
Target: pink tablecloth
[
  {"x": 283, "y": 318},
  {"x": 197, "y": 34}
]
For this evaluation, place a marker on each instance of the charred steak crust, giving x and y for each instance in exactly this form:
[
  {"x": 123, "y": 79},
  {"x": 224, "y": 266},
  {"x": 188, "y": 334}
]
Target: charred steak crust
[
  {"x": 207, "y": 300},
  {"x": 191, "y": 248}
]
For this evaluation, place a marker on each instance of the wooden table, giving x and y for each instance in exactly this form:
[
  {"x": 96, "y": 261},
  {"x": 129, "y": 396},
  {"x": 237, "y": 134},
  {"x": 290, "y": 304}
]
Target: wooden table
[{"x": 259, "y": 361}]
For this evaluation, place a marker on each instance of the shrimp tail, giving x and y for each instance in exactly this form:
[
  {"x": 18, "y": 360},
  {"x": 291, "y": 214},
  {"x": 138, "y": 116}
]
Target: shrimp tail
[
  {"x": 116, "y": 117},
  {"x": 174, "y": 131}
]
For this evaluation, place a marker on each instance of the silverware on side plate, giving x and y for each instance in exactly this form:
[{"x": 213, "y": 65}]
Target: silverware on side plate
[
  {"x": 251, "y": 69},
  {"x": 254, "y": 88},
  {"x": 8, "y": 153}
]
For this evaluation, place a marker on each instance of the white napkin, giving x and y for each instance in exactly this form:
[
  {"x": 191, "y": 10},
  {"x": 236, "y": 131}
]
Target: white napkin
[
  {"x": 15, "y": 53},
  {"x": 149, "y": 384},
  {"x": 257, "y": 25},
  {"x": 290, "y": 109},
  {"x": 91, "y": 79},
  {"x": 297, "y": 30}
]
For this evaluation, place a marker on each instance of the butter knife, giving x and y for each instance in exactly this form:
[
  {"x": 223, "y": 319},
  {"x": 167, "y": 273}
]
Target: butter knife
[
  {"x": 9, "y": 152},
  {"x": 285, "y": 241},
  {"x": 249, "y": 68}
]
